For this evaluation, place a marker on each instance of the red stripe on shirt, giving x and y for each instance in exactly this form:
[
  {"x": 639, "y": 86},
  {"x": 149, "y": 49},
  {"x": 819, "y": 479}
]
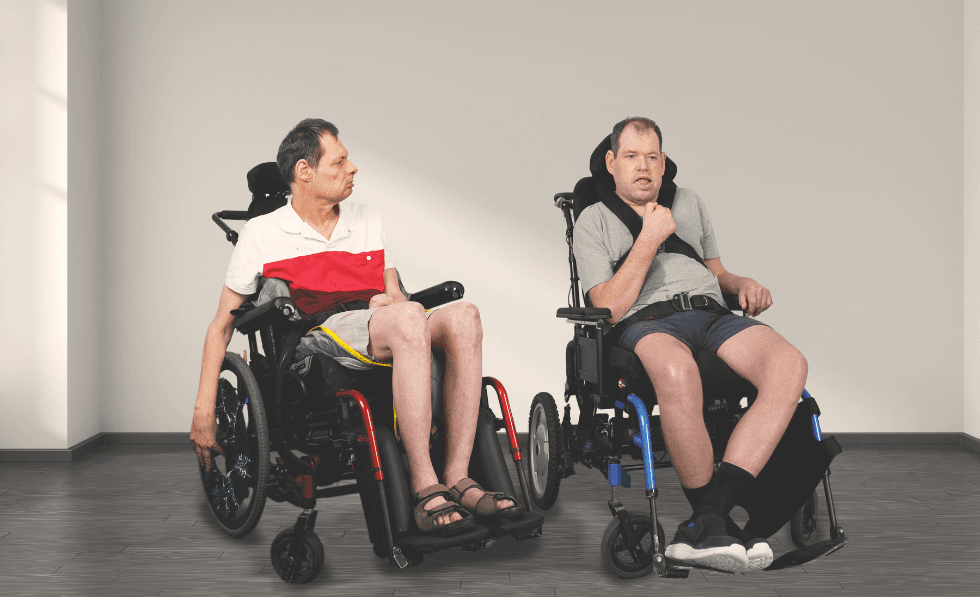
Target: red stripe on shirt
[{"x": 323, "y": 280}]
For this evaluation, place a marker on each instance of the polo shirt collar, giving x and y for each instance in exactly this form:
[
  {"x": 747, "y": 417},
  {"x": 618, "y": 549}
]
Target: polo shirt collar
[{"x": 290, "y": 222}]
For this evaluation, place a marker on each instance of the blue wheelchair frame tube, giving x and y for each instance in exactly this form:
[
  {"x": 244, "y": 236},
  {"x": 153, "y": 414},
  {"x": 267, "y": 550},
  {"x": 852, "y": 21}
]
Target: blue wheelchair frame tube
[
  {"x": 814, "y": 419},
  {"x": 643, "y": 440}
]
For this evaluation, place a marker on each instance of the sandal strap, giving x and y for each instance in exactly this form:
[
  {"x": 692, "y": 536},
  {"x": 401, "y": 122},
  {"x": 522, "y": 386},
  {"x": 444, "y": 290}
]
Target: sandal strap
[
  {"x": 458, "y": 493},
  {"x": 484, "y": 508}
]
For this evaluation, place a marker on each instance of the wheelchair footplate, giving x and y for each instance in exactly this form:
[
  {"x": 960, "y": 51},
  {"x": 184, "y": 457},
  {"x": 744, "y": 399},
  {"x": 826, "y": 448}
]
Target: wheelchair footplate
[{"x": 805, "y": 555}]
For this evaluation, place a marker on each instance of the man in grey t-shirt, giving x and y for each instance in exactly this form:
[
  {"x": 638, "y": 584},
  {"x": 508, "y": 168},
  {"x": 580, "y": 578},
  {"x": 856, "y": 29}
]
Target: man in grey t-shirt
[{"x": 667, "y": 346}]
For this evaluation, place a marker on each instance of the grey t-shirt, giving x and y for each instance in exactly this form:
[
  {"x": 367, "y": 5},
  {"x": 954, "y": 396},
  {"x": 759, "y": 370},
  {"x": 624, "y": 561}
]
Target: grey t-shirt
[{"x": 601, "y": 240}]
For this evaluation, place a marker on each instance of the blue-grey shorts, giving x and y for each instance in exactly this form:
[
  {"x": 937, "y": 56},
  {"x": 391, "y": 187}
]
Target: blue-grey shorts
[{"x": 698, "y": 329}]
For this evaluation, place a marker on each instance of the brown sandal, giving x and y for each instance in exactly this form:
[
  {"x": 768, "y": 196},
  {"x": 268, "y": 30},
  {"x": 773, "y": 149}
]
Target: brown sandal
[
  {"x": 426, "y": 519},
  {"x": 487, "y": 504}
]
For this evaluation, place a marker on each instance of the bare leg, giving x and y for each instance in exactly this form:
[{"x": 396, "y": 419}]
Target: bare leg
[
  {"x": 457, "y": 331},
  {"x": 399, "y": 333},
  {"x": 778, "y": 371},
  {"x": 675, "y": 377}
]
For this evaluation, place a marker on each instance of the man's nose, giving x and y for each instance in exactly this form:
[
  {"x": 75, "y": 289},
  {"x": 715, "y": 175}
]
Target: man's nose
[{"x": 352, "y": 166}]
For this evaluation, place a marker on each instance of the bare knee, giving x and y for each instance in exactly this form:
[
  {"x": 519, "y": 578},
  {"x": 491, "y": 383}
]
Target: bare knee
[
  {"x": 462, "y": 321},
  {"x": 408, "y": 327},
  {"x": 676, "y": 380},
  {"x": 787, "y": 366}
]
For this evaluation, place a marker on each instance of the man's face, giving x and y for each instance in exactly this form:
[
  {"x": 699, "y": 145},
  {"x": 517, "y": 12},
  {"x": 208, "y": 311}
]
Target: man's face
[
  {"x": 333, "y": 178},
  {"x": 638, "y": 166}
]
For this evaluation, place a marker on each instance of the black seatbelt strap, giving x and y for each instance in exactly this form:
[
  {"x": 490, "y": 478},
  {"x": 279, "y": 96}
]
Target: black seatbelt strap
[{"x": 634, "y": 223}]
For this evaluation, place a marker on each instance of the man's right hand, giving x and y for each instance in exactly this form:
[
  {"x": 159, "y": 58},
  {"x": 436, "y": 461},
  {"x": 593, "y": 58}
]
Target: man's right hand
[
  {"x": 203, "y": 429},
  {"x": 658, "y": 223}
]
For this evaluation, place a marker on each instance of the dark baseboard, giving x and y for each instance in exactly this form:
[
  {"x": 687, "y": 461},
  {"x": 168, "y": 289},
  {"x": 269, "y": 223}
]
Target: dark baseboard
[{"x": 83, "y": 448}]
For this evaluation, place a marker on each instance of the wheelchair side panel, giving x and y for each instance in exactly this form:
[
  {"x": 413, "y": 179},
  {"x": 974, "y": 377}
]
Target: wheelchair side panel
[{"x": 487, "y": 464}]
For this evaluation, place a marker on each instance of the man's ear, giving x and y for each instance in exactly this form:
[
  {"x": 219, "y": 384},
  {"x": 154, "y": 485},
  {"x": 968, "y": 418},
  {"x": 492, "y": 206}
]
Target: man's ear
[
  {"x": 302, "y": 171},
  {"x": 610, "y": 156},
  {"x": 663, "y": 163}
]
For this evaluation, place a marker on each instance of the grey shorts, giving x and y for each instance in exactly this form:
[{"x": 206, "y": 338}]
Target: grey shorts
[
  {"x": 698, "y": 329},
  {"x": 345, "y": 337}
]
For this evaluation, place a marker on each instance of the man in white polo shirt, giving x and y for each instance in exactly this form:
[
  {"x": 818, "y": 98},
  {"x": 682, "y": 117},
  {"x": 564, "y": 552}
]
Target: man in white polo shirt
[{"x": 331, "y": 254}]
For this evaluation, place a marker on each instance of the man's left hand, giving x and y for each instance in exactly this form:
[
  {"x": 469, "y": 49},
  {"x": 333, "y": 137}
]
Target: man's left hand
[
  {"x": 380, "y": 300},
  {"x": 754, "y": 298}
]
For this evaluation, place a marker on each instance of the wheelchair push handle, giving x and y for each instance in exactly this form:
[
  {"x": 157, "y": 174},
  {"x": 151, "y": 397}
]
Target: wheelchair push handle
[{"x": 220, "y": 216}]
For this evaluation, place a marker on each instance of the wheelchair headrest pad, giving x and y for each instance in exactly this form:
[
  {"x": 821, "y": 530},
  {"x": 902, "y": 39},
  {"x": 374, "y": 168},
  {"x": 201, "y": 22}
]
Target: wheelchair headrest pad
[{"x": 265, "y": 179}]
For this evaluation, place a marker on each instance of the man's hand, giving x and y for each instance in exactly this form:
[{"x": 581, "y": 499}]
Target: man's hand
[
  {"x": 658, "y": 223},
  {"x": 202, "y": 436},
  {"x": 754, "y": 298},
  {"x": 380, "y": 300}
]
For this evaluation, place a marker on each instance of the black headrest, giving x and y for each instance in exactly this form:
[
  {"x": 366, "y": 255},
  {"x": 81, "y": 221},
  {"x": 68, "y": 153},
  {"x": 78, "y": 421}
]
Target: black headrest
[
  {"x": 585, "y": 193},
  {"x": 265, "y": 179},
  {"x": 269, "y": 189}
]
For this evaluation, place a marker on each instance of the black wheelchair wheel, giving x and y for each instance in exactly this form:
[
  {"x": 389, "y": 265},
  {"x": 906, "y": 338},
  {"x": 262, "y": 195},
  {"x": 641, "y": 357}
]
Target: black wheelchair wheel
[
  {"x": 544, "y": 450},
  {"x": 310, "y": 556},
  {"x": 236, "y": 485},
  {"x": 617, "y": 556},
  {"x": 803, "y": 525}
]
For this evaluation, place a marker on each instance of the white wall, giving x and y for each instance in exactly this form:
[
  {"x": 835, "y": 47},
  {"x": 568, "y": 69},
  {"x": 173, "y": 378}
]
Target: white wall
[
  {"x": 33, "y": 227},
  {"x": 971, "y": 220},
  {"x": 85, "y": 174},
  {"x": 824, "y": 138}
]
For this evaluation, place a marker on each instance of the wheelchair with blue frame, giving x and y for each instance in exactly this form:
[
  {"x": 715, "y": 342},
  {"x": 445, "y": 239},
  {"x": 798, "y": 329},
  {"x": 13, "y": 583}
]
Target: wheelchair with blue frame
[
  {"x": 341, "y": 422},
  {"x": 601, "y": 376}
]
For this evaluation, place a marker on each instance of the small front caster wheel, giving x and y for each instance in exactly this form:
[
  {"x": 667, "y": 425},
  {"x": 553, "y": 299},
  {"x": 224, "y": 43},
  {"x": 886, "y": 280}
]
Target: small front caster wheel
[
  {"x": 310, "y": 559},
  {"x": 616, "y": 554},
  {"x": 803, "y": 525}
]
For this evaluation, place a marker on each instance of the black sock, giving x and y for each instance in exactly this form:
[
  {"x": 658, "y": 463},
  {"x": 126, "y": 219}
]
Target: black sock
[
  {"x": 728, "y": 486},
  {"x": 696, "y": 496}
]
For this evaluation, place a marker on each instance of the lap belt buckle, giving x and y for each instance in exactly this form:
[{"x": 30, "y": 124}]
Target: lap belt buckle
[{"x": 682, "y": 302}]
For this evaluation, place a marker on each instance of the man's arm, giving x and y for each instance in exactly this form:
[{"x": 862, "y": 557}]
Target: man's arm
[
  {"x": 215, "y": 344},
  {"x": 392, "y": 293},
  {"x": 619, "y": 293},
  {"x": 753, "y": 297}
]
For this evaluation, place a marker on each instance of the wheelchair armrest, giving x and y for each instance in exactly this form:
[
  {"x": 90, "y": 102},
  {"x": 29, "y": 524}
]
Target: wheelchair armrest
[
  {"x": 247, "y": 321},
  {"x": 440, "y": 294},
  {"x": 584, "y": 313},
  {"x": 731, "y": 301}
]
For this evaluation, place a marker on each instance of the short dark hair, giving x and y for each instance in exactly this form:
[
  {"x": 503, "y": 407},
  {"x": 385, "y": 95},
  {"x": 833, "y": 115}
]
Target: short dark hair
[
  {"x": 641, "y": 123},
  {"x": 303, "y": 143}
]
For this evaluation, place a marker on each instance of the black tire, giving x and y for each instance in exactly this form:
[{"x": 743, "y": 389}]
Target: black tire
[
  {"x": 618, "y": 558},
  {"x": 237, "y": 513},
  {"x": 544, "y": 451},
  {"x": 310, "y": 555},
  {"x": 803, "y": 525}
]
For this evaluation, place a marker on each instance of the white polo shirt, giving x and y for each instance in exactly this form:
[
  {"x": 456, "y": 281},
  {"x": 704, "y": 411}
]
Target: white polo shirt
[{"x": 321, "y": 273}]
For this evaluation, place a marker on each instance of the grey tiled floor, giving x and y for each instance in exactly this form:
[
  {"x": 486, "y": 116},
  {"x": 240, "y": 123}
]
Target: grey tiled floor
[{"x": 132, "y": 520}]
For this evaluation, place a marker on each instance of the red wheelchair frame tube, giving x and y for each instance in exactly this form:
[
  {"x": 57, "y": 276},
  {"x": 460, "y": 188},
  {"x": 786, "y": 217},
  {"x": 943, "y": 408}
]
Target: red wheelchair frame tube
[
  {"x": 369, "y": 428},
  {"x": 508, "y": 417}
]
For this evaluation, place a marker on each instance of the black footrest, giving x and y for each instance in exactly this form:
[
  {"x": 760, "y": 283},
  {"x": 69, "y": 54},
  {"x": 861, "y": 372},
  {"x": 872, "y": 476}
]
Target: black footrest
[{"x": 805, "y": 555}]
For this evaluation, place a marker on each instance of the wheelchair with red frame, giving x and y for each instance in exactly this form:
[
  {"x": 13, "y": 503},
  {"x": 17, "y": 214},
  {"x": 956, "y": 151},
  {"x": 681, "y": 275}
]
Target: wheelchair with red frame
[
  {"x": 602, "y": 376},
  {"x": 342, "y": 423}
]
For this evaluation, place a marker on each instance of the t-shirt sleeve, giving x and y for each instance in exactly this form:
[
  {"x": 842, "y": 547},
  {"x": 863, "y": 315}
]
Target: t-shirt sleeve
[
  {"x": 593, "y": 261},
  {"x": 709, "y": 246},
  {"x": 245, "y": 266}
]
